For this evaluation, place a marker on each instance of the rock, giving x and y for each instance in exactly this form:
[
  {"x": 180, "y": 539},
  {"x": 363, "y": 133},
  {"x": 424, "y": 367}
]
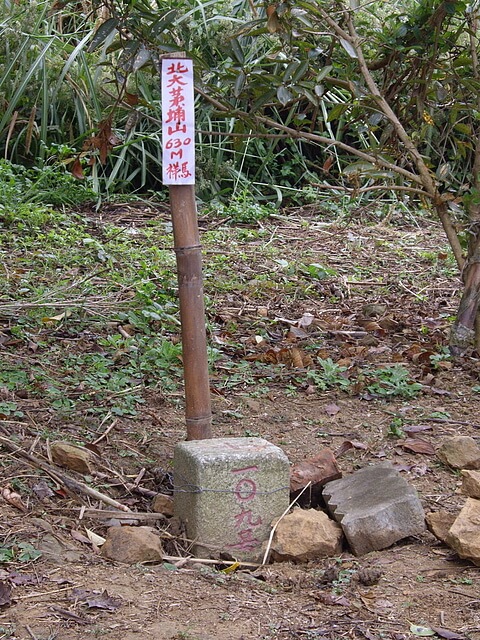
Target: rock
[
  {"x": 464, "y": 534},
  {"x": 306, "y": 534},
  {"x": 58, "y": 551},
  {"x": 132, "y": 545},
  {"x": 374, "y": 310},
  {"x": 368, "y": 576},
  {"x": 375, "y": 506},
  {"x": 459, "y": 452},
  {"x": 471, "y": 483},
  {"x": 73, "y": 457},
  {"x": 439, "y": 523},
  {"x": 318, "y": 470},
  {"x": 163, "y": 504}
]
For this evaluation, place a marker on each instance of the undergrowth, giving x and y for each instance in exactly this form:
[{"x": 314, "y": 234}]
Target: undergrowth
[{"x": 92, "y": 307}]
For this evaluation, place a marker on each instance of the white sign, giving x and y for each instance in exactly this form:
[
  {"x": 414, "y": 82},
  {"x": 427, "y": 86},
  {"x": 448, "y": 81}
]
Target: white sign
[{"x": 178, "y": 121}]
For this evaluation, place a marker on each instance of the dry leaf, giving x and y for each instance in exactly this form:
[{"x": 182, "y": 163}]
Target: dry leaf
[
  {"x": 59, "y": 318},
  {"x": 103, "y": 601},
  {"x": 327, "y": 164},
  {"x": 349, "y": 444},
  {"x": 330, "y": 599},
  {"x": 13, "y": 498},
  {"x": 79, "y": 537},
  {"x": 20, "y": 579},
  {"x": 417, "y": 428},
  {"x": 273, "y": 22},
  {"x": 5, "y": 594},
  {"x": 417, "y": 445},
  {"x": 94, "y": 538},
  {"x": 447, "y": 634},
  {"x": 306, "y": 320},
  {"x": 131, "y": 98},
  {"x": 42, "y": 490},
  {"x": 332, "y": 409},
  {"x": 296, "y": 333},
  {"x": 77, "y": 170}
]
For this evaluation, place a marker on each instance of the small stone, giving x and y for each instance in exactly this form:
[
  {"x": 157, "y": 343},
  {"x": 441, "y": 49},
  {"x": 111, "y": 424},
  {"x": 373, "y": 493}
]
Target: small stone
[
  {"x": 132, "y": 545},
  {"x": 374, "y": 310},
  {"x": 306, "y": 534},
  {"x": 470, "y": 483},
  {"x": 464, "y": 534},
  {"x": 439, "y": 523},
  {"x": 317, "y": 470},
  {"x": 459, "y": 452},
  {"x": 58, "y": 551},
  {"x": 73, "y": 457},
  {"x": 331, "y": 574},
  {"x": 163, "y": 504},
  {"x": 368, "y": 576}
]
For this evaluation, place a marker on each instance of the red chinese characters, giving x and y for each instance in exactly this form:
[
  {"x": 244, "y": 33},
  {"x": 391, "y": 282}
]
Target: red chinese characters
[
  {"x": 245, "y": 520},
  {"x": 178, "y": 122}
]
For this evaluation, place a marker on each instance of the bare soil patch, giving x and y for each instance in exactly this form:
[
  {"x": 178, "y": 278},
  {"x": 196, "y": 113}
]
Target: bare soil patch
[{"x": 71, "y": 593}]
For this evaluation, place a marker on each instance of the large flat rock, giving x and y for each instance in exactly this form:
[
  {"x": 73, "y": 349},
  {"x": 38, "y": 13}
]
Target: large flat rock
[{"x": 375, "y": 507}]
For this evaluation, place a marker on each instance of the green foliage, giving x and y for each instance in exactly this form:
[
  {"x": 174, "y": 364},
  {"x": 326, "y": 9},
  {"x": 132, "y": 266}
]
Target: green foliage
[
  {"x": 329, "y": 375},
  {"x": 8, "y": 408},
  {"x": 86, "y": 269},
  {"x": 395, "y": 429},
  {"x": 68, "y": 80},
  {"x": 391, "y": 382},
  {"x": 19, "y": 552},
  {"x": 49, "y": 186},
  {"x": 242, "y": 210}
]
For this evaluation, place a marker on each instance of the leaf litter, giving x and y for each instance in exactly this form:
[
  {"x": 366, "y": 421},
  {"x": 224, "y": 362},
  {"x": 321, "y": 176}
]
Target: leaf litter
[{"x": 274, "y": 340}]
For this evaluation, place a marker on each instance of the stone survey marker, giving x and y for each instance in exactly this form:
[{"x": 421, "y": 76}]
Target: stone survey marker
[
  {"x": 375, "y": 507},
  {"x": 227, "y": 493}
]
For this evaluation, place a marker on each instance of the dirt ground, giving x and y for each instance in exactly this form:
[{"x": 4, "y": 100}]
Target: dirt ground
[{"x": 71, "y": 593}]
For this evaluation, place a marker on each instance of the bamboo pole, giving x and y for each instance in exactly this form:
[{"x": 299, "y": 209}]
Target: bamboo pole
[{"x": 198, "y": 413}]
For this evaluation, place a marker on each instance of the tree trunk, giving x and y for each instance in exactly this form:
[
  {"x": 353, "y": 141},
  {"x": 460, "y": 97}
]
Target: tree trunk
[{"x": 465, "y": 332}]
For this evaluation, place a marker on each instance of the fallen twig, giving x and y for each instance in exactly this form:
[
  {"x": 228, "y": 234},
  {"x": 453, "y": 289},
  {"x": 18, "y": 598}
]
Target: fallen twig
[
  {"x": 239, "y": 563},
  {"x": 106, "y": 432},
  {"x": 69, "y": 614},
  {"x": 103, "y": 514},
  {"x": 73, "y": 486}
]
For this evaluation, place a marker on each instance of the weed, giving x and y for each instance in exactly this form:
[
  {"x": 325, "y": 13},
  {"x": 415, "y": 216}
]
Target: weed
[
  {"x": 395, "y": 428},
  {"x": 391, "y": 382},
  {"x": 9, "y": 409},
  {"x": 438, "y": 358},
  {"x": 291, "y": 391},
  {"x": 243, "y": 210},
  {"x": 330, "y": 375},
  {"x": 7, "y": 554},
  {"x": 27, "y": 552},
  {"x": 48, "y": 186},
  {"x": 318, "y": 271},
  {"x": 440, "y": 415},
  {"x": 19, "y": 552},
  {"x": 462, "y": 580}
]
